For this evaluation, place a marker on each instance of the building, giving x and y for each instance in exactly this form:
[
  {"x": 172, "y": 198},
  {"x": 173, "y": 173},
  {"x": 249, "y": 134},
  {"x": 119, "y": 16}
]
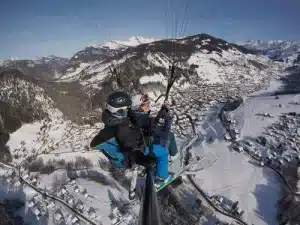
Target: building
[
  {"x": 76, "y": 189},
  {"x": 50, "y": 205},
  {"x": 58, "y": 216},
  {"x": 36, "y": 199},
  {"x": 128, "y": 218},
  {"x": 36, "y": 211},
  {"x": 73, "y": 182},
  {"x": 74, "y": 220},
  {"x": 92, "y": 212},
  {"x": 31, "y": 204},
  {"x": 80, "y": 206},
  {"x": 84, "y": 192},
  {"x": 70, "y": 200}
]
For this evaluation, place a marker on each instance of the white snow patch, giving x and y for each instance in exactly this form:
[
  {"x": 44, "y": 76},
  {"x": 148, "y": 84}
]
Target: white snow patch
[
  {"x": 132, "y": 41},
  {"x": 78, "y": 70},
  {"x": 233, "y": 177},
  {"x": 154, "y": 78},
  {"x": 27, "y": 133},
  {"x": 207, "y": 69}
]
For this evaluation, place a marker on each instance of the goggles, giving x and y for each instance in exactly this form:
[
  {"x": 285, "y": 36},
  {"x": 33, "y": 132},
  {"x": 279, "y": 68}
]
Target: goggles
[
  {"x": 118, "y": 112},
  {"x": 121, "y": 113}
]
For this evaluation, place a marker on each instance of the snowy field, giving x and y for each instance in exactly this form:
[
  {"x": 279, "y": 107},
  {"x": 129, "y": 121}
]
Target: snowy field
[
  {"x": 236, "y": 177},
  {"x": 254, "y": 124},
  {"x": 226, "y": 173}
]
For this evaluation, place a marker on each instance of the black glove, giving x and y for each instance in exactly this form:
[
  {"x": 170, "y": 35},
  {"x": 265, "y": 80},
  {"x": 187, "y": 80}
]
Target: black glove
[{"x": 163, "y": 113}]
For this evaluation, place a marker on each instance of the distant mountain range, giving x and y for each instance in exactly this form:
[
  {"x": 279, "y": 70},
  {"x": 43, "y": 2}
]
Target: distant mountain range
[
  {"x": 82, "y": 83},
  {"x": 45, "y": 68},
  {"x": 284, "y": 51}
]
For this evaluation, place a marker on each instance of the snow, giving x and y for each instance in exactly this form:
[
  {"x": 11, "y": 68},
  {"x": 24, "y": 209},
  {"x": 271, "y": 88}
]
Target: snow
[
  {"x": 132, "y": 41},
  {"x": 159, "y": 59},
  {"x": 78, "y": 70},
  {"x": 254, "y": 125},
  {"x": 154, "y": 78},
  {"x": 233, "y": 177},
  {"x": 274, "y": 86},
  {"x": 27, "y": 132},
  {"x": 100, "y": 200},
  {"x": 207, "y": 69}
]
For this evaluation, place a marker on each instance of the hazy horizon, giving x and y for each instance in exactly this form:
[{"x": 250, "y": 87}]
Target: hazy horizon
[{"x": 34, "y": 28}]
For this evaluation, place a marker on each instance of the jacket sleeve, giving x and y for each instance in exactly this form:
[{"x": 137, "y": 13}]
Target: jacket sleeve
[
  {"x": 164, "y": 130},
  {"x": 102, "y": 137}
]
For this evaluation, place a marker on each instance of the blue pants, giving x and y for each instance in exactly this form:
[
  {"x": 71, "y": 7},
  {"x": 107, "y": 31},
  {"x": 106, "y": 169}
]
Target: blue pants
[
  {"x": 169, "y": 143},
  {"x": 111, "y": 150},
  {"x": 161, "y": 154}
]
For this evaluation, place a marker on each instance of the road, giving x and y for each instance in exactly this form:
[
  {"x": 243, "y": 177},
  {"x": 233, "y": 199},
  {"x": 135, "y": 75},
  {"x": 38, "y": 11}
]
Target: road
[
  {"x": 225, "y": 125},
  {"x": 83, "y": 217},
  {"x": 210, "y": 203}
]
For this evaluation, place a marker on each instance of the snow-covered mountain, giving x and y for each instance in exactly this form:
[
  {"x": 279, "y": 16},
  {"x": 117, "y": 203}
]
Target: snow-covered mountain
[
  {"x": 108, "y": 49},
  {"x": 201, "y": 59},
  {"x": 51, "y": 124},
  {"x": 144, "y": 64},
  {"x": 132, "y": 41},
  {"x": 44, "y": 68},
  {"x": 287, "y": 51}
]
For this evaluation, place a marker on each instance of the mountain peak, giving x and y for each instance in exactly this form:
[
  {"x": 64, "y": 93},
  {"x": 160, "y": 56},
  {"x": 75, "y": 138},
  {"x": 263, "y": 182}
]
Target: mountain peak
[
  {"x": 280, "y": 50},
  {"x": 119, "y": 44}
]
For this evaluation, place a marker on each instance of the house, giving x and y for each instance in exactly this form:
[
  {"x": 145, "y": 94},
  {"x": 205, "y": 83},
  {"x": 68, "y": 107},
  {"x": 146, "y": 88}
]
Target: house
[
  {"x": 36, "y": 199},
  {"x": 85, "y": 193},
  {"x": 17, "y": 183},
  {"x": 58, "y": 216},
  {"x": 76, "y": 189},
  {"x": 50, "y": 205},
  {"x": 74, "y": 220},
  {"x": 80, "y": 206},
  {"x": 114, "y": 220},
  {"x": 239, "y": 212},
  {"x": 115, "y": 211},
  {"x": 227, "y": 137},
  {"x": 92, "y": 212},
  {"x": 36, "y": 211},
  {"x": 10, "y": 172},
  {"x": 71, "y": 200},
  {"x": 128, "y": 218},
  {"x": 34, "y": 180},
  {"x": 63, "y": 190},
  {"x": 69, "y": 218},
  {"x": 30, "y": 204},
  {"x": 73, "y": 182},
  {"x": 9, "y": 179}
]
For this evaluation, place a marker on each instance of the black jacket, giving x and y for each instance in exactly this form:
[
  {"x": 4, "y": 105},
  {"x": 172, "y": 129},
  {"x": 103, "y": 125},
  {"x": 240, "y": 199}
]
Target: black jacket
[
  {"x": 150, "y": 125},
  {"x": 127, "y": 134}
]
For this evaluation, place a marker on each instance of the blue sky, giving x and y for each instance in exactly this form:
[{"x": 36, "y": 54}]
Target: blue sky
[{"x": 31, "y": 28}]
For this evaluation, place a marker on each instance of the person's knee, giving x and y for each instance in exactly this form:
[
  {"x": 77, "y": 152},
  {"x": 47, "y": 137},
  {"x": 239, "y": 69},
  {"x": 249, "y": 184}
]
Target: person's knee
[{"x": 160, "y": 151}]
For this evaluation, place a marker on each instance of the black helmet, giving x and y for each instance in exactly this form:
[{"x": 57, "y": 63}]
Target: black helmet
[{"x": 118, "y": 103}]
